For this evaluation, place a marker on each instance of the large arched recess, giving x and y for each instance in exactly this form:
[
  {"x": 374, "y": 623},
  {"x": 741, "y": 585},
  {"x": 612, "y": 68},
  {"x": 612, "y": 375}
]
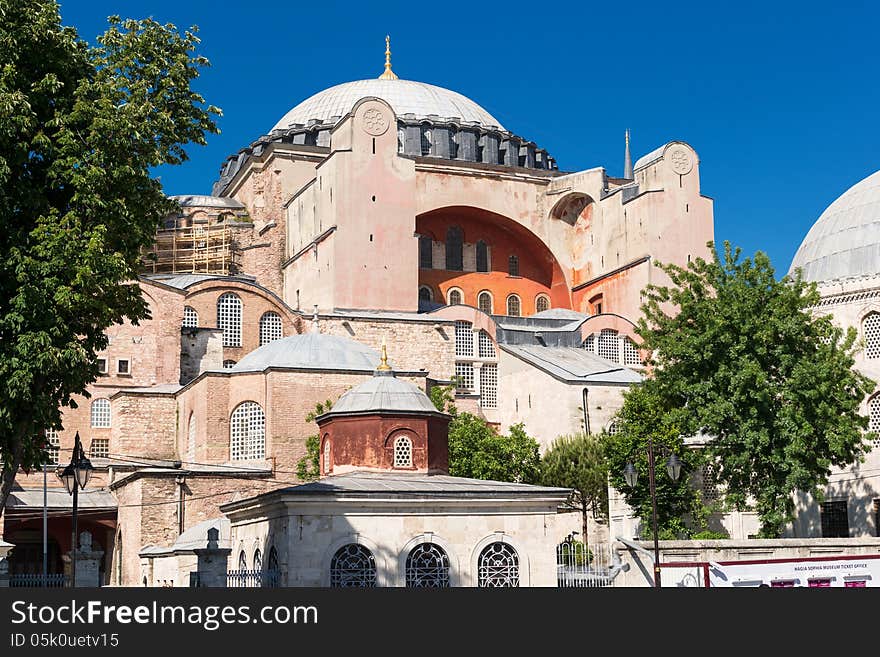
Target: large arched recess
[{"x": 539, "y": 271}]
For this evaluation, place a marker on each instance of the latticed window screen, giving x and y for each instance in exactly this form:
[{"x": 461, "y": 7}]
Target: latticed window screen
[
  {"x": 835, "y": 519},
  {"x": 190, "y": 317},
  {"x": 871, "y": 328},
  {"x": 609, "y": 345},
  {"x": 709, "y": 490},
  {"x": 590, "y": 343},
  {"x": 454, "y": 248},
  {"x": 229, "y": 319},
  {"x": 54, "y": 446},
  {"x": 498, "y": 566},
  {"x": 464, "y": 373},
  {"x": 248, "y": 432},
  {"x": 327, "y": 465},
  {"x": 454, "y": 297},
  {"x": 482, "y": 256},
  {"x": 542, "y": 303},
  {"x": 464, "y": 339},
  {"x": 489, "y": 385},
  {"x": 487, "y": 348},
  {"x": 426, "y": 256},
  {"x": 353, "y": 566},
  {"x": 101, "y": 413},
  {"x": 513, "y": 265},
  {"x": 513, "y": 305},
  {"x": 630, "y": 352},
  {"x": 270, "y": 328},
  {"x": 427, "y": 566},
  {"x": 191, "y": 438},
  {"x": 228, "y": 364},
  {"x": 874, "y": 418},
  {"x": 100, "y": 448},
  {"x": 403, "y": 452},
  {"x": 484, "y": 302}
]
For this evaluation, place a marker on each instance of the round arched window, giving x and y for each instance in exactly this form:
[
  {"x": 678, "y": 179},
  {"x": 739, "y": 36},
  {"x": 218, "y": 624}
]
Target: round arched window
[
  {"x": 427, "y": 566},
  {"x": 498, "y": 566},
  {"x": 454, "y": 297},
  {"x": 247, "y": 432},
  {"x": 353, "y": 566},
  {"x": 403, "y": 452}
]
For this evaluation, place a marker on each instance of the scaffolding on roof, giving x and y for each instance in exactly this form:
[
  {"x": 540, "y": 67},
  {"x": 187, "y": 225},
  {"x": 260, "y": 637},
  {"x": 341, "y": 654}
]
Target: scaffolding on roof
[{"x": 193, "y": 250}]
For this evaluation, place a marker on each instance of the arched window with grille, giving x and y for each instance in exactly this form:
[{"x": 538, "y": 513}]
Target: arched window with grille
[
  {"x": 100, "y": 414},
  {"x": 427, "y": 566},
  {"x": 270, "y": 328},
  {"x": 498, "y": 566},
  {"x": 258, "y": 560},
  {"x": 513, "y": 305},
  {"x": 513, "y": 265},
  {"x": 590, "y": 343},
  {"x": 542, "y": 303},
  {"x": 874, "y": 418},
  {"x": 229, "y": 319},
  {"x": 247, "y": 432},
  {"x": 403, "y": 452},
  {"x": 190, "y": 317},
  {"x": 425, "y": 293},
  {"x": 353, "y": 566},
  {"x": 454, "y": 248},
  {"x": 630, "y": 352},
  {"x": 242, "y": 561},
  {"x": 484, "y": 302},
  {"x": 871, "y": 329},
  {"x": 486, "y": 346},
  {"x": 482, "y": 256},
  {"x": 328, "y": 466},
  {"x": 426, "y": 254},
  {"x": 454, "y": 297},
  {"x": 609, "y": 345}
]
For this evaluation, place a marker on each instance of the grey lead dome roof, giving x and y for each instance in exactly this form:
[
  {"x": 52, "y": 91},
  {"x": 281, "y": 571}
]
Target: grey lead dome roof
[
  {"x": 316, "y": 351},
  {"x": 384, "y": 393},
  {"x": 404, "y": 96},
  {"x": 845, "y": 240}
]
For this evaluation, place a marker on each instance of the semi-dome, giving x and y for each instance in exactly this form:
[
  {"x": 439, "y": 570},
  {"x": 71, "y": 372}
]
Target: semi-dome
[
  {"x": 384, "y": 393},
  {"x": 404, "y": 96},
  {"x": 317, "y": 351},
  {"x": 845, "y": 240}
]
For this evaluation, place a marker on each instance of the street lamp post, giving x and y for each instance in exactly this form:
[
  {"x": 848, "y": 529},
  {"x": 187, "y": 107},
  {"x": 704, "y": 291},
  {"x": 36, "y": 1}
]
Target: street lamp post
[
  {"x": 75, "y": 476},
  {"x": 631, "y": 475}
]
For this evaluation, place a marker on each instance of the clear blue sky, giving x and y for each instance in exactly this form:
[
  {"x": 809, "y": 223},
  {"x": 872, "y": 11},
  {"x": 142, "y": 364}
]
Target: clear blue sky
[{"x": 779, "y": 98}]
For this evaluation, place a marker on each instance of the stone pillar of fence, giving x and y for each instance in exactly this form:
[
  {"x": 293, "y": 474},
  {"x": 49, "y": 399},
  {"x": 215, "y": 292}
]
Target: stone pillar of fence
[
  {"x": 212, "y": 561},
  {"x": 88, "y": 563},
  {"x": 5, "y": 549}
]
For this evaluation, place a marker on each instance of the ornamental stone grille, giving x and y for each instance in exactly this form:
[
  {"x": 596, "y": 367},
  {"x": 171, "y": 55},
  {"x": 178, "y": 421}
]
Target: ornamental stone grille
[
  {"x": 498, "y": 566},
  {"x": 874, "y": 419},
  {"x": 403, "y": 453},
  {"x": 464, "y": 338},
  {"x": 489, "y": 385},
  {"x": 190, "y": 317},
  {"x": 229, "y": 319},
  {"x": 427, "y": 566},
  {"x": 353, "y": 566},
  {"x": 465, "y": 375},
  {"x": 101, "y": 413},
  {"x": 630, "y": 352},
  {"x": 270, "y": 328},
  {"x": 486, "y": 347},
  {"x": 590, "y": 343},
  {"x": 609, "y": 345},
  {"x": 872, "y": 335},
  {"x": 248, "y": 432},
  {"x": 484, "y": 302}
]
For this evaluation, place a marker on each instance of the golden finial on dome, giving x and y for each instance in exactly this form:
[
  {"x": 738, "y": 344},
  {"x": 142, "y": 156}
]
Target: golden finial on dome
[
  {"x": 384, "y": 366},
  {"x": 388, "y": 74}
]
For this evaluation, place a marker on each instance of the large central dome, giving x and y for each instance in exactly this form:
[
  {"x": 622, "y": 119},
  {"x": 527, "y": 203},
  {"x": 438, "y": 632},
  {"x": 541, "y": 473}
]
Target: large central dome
[
  {"x": 404, "y": 96},
  {"x": 845, "y": 240}
]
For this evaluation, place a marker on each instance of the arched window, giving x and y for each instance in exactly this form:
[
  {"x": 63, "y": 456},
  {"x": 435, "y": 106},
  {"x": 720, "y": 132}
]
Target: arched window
[
  {"x": 542, "y": 303},
  {"x": 258, "y": 560},
  {"x": 403, "y": 452},
  {"x": 248, "y": 432},
  {"x": 426, "y": 254},
  {"x": 874, "y": 419},
  {"x": 229, "y": 319},
  {"x": 498, "y": 566},
  {"x": 427, "y": 566},
  {"x": 513, "y": 305},
  {"x": 590, "y": 343},
  {"x": 101, "y": 414},
  {"x": 871, "y": 328},
  {"x": 190, "y": 317},
  {"x": 353, "y": 566},
  {"x": 270, "y": 328},
  {"x": 328, "y": 466},
  {"x": 513, "y": 265},
  {"x": 630, "y": 352},
  {"x": 426, "y": 140},
  {"x": 425, "y": 293},
  {"x": 484, "y": 302},
  {"x": 242, "y": 561},
  {"x": 454, "y": 248},
  {"x": 609, "y": 345},
  {"x": 191, "y": 439},
  {"x": 454, "y": 296},
  {"x": 482, "y": 256}
]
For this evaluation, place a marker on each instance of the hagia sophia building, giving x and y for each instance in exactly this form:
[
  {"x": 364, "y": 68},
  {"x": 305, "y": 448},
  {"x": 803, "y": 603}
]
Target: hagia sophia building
[{"x": 376, "y": 211}]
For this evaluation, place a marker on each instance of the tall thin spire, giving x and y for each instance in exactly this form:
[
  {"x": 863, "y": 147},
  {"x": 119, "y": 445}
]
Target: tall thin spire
[
  {"x": 384, "y": 366},
  {"x": 627, "y": 160},
  {"x": 388, "y": 74}
]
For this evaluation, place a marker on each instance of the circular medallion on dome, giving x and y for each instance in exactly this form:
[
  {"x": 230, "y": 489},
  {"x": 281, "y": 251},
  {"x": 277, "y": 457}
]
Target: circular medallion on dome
[
  {"x": 680, "y": 161},
  {"x": 375, "y": 122}
]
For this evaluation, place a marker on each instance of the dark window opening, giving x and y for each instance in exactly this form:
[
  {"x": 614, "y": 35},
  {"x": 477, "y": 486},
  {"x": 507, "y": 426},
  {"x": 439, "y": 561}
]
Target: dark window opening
[
  {"x": 513, "y": 265},
  {"x": 835, "y": 519},
  {"x": 454, "y": 248},
  {"x": 425, "y": 252},
  {"x": 482, "y": 256}
]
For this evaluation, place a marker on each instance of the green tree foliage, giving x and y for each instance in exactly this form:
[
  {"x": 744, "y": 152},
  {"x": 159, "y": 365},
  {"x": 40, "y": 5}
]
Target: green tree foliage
[
  {"x": 643, "y": 417},
  {"x": 308, "y": 468},
  {"x": 578, "y": 462},
  {"x": 80, "y": 128},
  {"x": 479, "y": 451},
  {"x": 739, "y": 356}
]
